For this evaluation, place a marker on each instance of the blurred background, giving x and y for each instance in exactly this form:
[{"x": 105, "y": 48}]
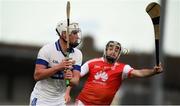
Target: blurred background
[{"x": 26, "y": 25}]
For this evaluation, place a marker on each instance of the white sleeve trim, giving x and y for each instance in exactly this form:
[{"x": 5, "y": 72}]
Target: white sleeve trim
[
  {"x": 126, "y": 70},
  {"x": 84, "y": 69}
]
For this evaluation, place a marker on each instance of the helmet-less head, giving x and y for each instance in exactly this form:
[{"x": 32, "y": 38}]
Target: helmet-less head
[
  {"x": 112, "y": 51},
  {"x": 74, "y": 30}
]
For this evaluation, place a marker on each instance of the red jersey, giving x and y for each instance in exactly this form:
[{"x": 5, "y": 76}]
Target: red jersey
[{"x": 103, "y": 81}]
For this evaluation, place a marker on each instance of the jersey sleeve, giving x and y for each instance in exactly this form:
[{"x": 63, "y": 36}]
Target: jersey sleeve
[
  {"x": 43, "y": 57},
  {"x": 84, "y": 69},
  {"x": 78, "y": 61},
  {"x": 126, "y": 71}
]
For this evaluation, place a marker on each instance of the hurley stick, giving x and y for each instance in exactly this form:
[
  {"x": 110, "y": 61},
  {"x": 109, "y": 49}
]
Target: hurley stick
[
  {"x": 153, "y": 9},
  {"x": 67, "y": 81}
]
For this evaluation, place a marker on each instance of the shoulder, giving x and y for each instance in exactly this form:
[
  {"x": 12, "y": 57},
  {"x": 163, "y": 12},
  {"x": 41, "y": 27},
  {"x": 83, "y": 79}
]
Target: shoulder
[
  {"x": 47, "y": 46},
  {"x": 120, "y": 64},
  {"x": 77, "y": 51},
  {"x": 95, "y": 60},
  {"x": 123, "y": 65}
]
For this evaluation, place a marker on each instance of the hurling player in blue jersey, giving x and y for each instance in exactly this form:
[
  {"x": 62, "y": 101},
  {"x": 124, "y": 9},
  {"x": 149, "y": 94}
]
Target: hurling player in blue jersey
[{"x": 50, "y": 87}]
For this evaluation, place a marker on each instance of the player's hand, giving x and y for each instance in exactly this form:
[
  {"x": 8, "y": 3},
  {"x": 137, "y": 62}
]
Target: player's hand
[
  {"x": 67, "y": 98},
  {"x": 68, "y": 74},
  {"x": 67, "y": 63},
  {"x": 158, "y": 69}
]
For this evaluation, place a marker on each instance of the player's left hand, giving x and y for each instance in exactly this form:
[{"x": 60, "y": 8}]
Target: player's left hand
[{"x": 158, "y": 69}]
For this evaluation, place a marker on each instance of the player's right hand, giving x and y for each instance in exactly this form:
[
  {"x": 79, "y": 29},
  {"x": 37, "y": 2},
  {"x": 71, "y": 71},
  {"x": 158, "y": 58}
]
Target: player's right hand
[
  {"x": 158, "y": 69},
  {"x": 66, "y": 63}
]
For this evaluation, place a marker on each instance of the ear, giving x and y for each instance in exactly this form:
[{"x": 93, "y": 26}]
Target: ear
[{"x": 63, "y": 34}]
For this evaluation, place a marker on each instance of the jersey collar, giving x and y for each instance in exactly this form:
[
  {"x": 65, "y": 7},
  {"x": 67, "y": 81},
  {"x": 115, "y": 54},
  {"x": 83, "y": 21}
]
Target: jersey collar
[{"x": 58, "y": 47}]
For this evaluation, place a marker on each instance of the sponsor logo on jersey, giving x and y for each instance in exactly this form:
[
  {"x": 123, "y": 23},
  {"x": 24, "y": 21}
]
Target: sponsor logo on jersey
[
  {"x": 106, "y": 68},
  {"x": 101, "y": 76},
  {"x": 55, "y": 61},
  {"x": 97, "y": 66}
]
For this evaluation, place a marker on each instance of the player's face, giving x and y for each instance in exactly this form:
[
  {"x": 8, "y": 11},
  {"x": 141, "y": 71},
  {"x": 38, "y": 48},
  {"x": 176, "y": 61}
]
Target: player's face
[
  {"x": 113, "y": 50},
  {"x": 75, "y": 38}
]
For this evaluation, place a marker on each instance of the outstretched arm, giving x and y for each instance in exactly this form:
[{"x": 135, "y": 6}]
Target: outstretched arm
[{"x": 146, "y": 72}]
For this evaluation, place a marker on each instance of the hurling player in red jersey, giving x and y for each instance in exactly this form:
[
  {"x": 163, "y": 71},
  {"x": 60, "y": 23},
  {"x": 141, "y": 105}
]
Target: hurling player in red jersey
[{"x": 105, "y": 76}]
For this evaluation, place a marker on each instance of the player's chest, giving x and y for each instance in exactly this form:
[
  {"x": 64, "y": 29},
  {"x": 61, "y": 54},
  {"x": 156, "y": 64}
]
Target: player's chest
[
  {"x": 57, "y": 58},
  {"x": 104, "y": 73}
]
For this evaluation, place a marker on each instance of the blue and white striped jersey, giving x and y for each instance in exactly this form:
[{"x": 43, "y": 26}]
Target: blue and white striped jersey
[{"x": 54, "y": 86}]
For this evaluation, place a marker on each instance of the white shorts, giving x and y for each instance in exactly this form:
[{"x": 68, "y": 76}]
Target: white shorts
[{"x": 40, "y": 101}]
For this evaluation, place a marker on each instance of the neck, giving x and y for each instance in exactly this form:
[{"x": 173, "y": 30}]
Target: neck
[
  {"x": 105, "y": 60},
  {"x": 109, "y": 59},
  {"x": 63, "y": 45}
]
